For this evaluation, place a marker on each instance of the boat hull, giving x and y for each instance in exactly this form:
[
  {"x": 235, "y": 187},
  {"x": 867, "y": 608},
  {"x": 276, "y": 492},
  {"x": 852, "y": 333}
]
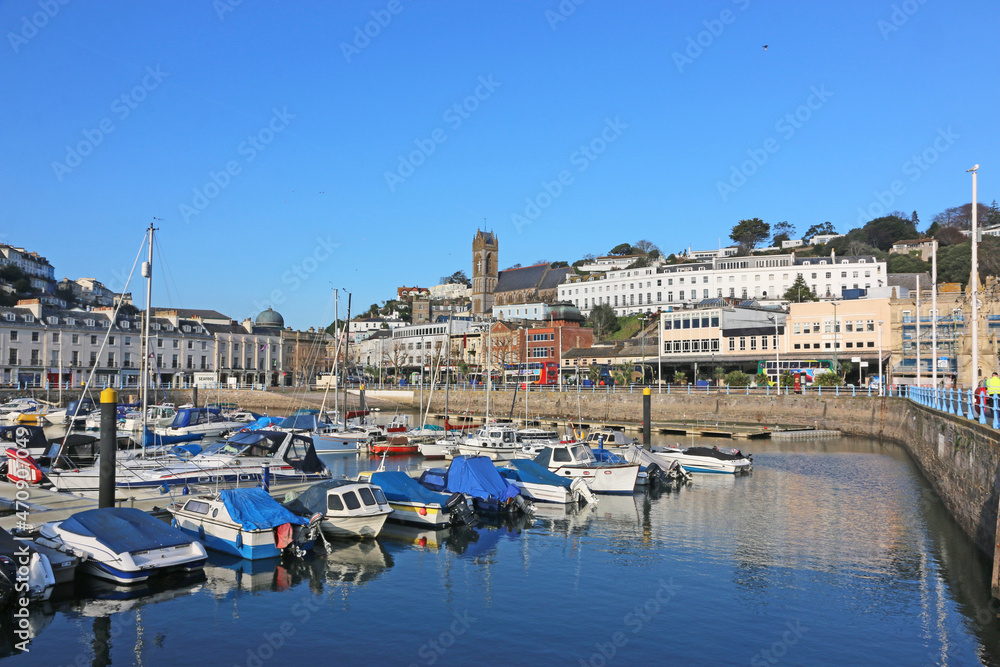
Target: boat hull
[
  {"x": 546, "y": 493},
  {"x": 707, "y": 464},
  {"x": 494, "y": 453},
  {"x": 326, "y": 444},
  {"x": 364, "y": 526},
  {"x": 610, "y": 480},
  {"x": 417, "y": 514}
]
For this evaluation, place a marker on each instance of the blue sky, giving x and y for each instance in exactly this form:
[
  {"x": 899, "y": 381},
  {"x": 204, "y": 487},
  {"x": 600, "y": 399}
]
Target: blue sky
[{"x": 287, "y": 155}]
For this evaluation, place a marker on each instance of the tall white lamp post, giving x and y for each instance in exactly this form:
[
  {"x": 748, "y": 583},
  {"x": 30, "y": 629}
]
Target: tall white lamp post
[{"x": 975, "y": 284}]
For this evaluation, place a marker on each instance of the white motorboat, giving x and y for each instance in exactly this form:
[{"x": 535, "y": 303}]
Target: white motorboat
[
  {"x": 247, "y": 523},
  {"x": 157, "y": 416},
  {"x": 577, "y": 460},
  {"x": 349, "y": 508},
  {"x": 533, "y": 440},
  {"x": 708, "y": 459},
  {"x": 123, "y": 544},
  {"x": 208, "y": 422},
  {"x": 439, "y": 448},
  {"x": 15, "y": 408},
  {"x": 239, "y": 461},
  {"x": 608, "y": 438},
  {"x": 499, "y": 442},
  {"x": 538, "y": 483}
]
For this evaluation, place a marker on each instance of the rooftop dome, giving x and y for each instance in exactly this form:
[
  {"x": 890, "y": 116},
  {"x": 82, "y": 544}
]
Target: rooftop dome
[
  {"x": 566, "y": 312},
  {"x": 270, "y": 318}
]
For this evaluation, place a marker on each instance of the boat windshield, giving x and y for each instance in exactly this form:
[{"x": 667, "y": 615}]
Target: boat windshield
[
  {"x": 582, "y": 454},
  {"x": 223, "y": 449}
]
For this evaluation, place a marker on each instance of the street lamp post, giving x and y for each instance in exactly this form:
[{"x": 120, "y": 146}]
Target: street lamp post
[
  {"x": 836, "y": 366},
  {"x": 777, "y": 356},
  {"x": 881, "y": 380},
  {"x": 975, "y": 284}
]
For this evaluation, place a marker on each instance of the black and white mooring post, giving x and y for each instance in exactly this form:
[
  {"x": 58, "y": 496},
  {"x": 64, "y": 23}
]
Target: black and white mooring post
[
  {"x": 647, "y": 397},
  {"x": 109, "y": 443}
]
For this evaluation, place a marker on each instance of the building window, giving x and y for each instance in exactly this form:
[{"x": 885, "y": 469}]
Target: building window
[
  {"x": 743, "y": 343},
  {"x": 732, "y": 344},
  {"x": 13, "y": 335}
]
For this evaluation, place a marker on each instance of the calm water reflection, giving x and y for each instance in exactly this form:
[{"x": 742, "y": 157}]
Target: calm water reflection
[{"x": 832, "y": 551}]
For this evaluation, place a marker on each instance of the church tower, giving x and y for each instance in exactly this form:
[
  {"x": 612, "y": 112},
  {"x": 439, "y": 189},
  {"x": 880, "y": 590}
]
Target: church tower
[{"x": 484, "y": 272}]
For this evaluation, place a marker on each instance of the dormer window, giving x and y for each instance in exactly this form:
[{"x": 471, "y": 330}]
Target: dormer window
[
  {"x": 70, "y": 321},
  {"x": 89, "y": 323},
  {"x": 805, "y": 263},
  {"x": 844, "y": 261},
  {"x": 187, "y": 329},
  {"x": 10, "y": 317},
  {"x": 169, "y": 327},
  {"x": 29, "y": 318},
  {"x": 124, "y": 324},
  {"x": 155, "y": 327},
  {"x": 822, "y": 261},
  {"x": 863, "y": 261},
  {"x": 53, "y": 320}
]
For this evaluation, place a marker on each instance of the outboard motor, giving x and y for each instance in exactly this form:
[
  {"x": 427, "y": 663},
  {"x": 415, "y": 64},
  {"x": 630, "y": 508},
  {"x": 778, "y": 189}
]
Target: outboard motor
[
  {"x": 459, "y": 510},
  {"x": 521, "y": 503},
  {"x": 657, "y": 476},
  {"x": 582, "y": 491},
  {"x": 678, "y": 472}
]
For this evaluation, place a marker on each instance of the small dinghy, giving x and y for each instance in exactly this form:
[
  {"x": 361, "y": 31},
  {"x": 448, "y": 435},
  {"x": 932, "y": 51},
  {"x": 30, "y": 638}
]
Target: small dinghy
[
  {"x": 415, "y": 504},
  {"x": 245, "y": 522},
  {"x": 123, "y": 544}
]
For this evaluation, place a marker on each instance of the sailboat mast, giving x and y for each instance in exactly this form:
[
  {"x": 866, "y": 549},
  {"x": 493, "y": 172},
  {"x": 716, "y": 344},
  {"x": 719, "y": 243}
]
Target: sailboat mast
[
  {"x": 347, "y": 350},
  {"x": 147, "y": 273},
  {"x": 336, "y": 352},
  {"x": 447, "y": 366},
  {"x": 489, "y": 371}
]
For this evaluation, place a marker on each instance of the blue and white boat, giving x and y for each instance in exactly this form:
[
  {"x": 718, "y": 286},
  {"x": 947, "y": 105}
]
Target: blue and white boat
[
  {"x": 479, "y": 480},
  {"x": 538, "y": 483},
  {"x": 198, "y": 421},
  {"x": 417, "y": 505},
  {"x": 328, "y": 438},
  {"x": 123, "y": 544},
  {"x": 245, "y": 522},
  {"x": 708, "y": 459}
]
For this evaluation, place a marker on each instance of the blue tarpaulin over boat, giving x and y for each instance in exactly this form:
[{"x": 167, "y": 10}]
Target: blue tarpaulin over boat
[
  {"x": 190, "y": 416},
  {"x": 526, "y": 470},
  {"x": 254, "y": 509},
  {"x": 399, "y": 486},
  {"x": 478, "y": 477},
  {"x": 307, "y": 420},
  {"x": 262, "y": 422},
  {"x": 125, "y": 529},
  {"x": 150, "y": 439}
]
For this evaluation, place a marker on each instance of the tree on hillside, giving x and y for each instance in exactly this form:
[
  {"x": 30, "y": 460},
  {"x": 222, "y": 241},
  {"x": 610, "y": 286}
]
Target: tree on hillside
[
  {"x": 621, "y": 249},
  {"x": 883, "y": 232},
  {"x": 457, "y": 278},
  {"x": 960, "y": 217},
  {"x": 896, "y": 263},
  {"x": 799, "y": 291},
  {"x": 513, "y": 266},
  {"x": 749, "y": 233},
  {"x": 558, "y": 265},
  {"x": 822, "y": 228},
  {"x": 647, "y": 248},
  {"x": 948, "y": 236},
  {"x": 603, "y": 321},
  {"x": 783, "y": 231}
]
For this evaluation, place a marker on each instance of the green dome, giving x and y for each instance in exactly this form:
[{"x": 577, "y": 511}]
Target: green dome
[
  {"x": 270, "y": 318},
  {"x": 566, "y": 312}
]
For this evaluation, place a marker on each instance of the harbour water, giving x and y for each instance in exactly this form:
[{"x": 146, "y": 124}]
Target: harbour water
[{"x": 832, "y": 551}]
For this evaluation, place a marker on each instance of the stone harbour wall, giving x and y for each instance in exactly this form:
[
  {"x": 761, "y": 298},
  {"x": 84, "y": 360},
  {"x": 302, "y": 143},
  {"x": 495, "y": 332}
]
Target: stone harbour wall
[{"x": 960, "y": 458}]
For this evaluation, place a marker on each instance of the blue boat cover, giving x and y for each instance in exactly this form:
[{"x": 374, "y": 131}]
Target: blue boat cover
[
  {"x": 125, "y": 529},
  {"x": 150, "y": 439},
  {"x": 254, "y": 509},
  {"x": 188, "y": 416},
  {"x": 478, "y": 477},
  {"x": 399, "y": 486},
  {"x": 307, "y": 420},
  {"x": 526, "y": 470},
  {"x": 607, "y": 456},
  {"x": 262, "y": 422}
]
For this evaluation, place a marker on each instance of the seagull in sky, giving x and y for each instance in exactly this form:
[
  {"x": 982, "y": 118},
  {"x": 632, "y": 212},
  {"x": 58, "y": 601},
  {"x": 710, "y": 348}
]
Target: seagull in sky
[{"x": 765, "y": 47}]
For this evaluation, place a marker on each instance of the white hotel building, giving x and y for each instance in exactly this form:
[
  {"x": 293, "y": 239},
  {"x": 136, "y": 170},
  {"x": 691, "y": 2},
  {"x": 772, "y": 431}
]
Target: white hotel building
[{"x": 764, "y": 278}]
